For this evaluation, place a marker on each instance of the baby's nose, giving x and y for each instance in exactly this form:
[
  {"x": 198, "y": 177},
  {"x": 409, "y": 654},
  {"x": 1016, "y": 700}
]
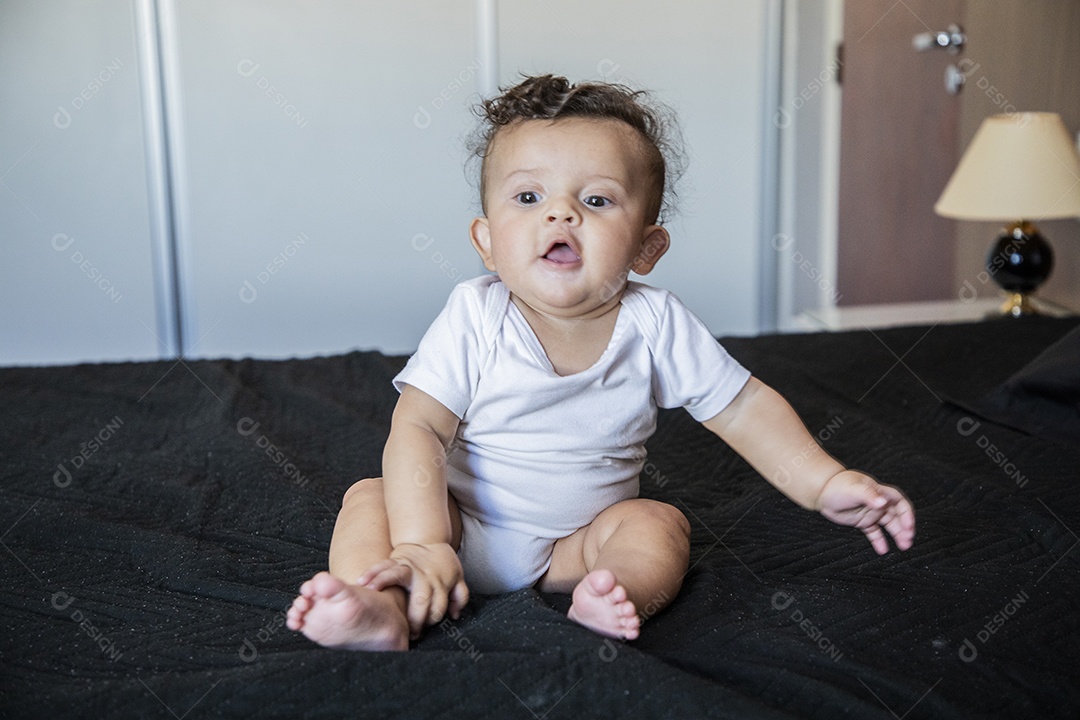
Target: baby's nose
[{"x": 562, "y": 212}]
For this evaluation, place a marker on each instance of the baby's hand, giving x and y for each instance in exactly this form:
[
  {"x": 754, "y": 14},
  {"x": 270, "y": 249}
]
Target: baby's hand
[
  {"x": 854, "y": 499},
  {"x": 433, "y": 576}
]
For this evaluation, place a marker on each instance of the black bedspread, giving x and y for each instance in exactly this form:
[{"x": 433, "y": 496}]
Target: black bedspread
[{"x": 157, "y": 518}]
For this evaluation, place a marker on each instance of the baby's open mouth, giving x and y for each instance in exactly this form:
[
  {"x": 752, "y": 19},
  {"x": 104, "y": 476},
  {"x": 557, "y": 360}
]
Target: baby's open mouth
[{"x": 562, "y": 253}]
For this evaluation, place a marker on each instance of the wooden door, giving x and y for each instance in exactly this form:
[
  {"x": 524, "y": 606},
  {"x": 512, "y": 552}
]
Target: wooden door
[{"x": 898, "y": 147}]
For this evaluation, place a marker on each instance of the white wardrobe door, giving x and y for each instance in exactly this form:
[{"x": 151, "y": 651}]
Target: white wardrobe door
[
  {"x": 323, "y": 202},
  {"x": 76, "y": 280}
]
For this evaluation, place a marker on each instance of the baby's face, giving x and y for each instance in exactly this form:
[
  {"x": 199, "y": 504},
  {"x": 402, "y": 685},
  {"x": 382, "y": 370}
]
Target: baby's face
[{"x": 566, "y": 214}]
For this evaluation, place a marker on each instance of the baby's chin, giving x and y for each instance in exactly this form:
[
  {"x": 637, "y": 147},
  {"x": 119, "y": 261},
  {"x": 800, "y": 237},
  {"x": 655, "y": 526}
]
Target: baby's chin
[{"x": 580, "y": 306}]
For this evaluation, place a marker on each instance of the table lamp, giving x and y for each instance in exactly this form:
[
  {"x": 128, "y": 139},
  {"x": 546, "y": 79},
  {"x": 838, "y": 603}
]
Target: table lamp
[{"x": 1020, "y": 168}]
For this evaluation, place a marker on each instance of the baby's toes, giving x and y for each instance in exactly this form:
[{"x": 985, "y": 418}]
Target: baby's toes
[
  {"x": 294, "y": 618},
  {"x": 630, "y": 629},
  {"x": 626, "y": 610},
  {"x": 600, "y": 582},
  {"x": 325, "y": 585}
]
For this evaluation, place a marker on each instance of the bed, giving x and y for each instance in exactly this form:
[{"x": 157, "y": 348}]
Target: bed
[{"x": 157, "y": 518}]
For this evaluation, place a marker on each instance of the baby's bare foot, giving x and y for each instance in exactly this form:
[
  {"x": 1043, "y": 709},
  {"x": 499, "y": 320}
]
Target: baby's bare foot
[
  {"x": 600, "y": 604},
  {"x": 349, "y": 617}
]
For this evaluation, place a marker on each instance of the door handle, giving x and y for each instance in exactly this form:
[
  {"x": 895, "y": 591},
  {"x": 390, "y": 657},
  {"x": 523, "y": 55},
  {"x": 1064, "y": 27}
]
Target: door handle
[{"x": 951, "y": 38}]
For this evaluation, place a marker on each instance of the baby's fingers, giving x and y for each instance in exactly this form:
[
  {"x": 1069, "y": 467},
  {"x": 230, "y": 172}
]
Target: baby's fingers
[
  {"x": 901, "y": 524},
  {"x": 459, "y": 598},
  {"x": 437, "y": 606},
  {"x": 385, "y": 574},
  {"x": 876, "y": 536},
  {"x": 373, "y": 571},
  {"x": 419, "y": 610},
  {"x": 898, "y": 520}
]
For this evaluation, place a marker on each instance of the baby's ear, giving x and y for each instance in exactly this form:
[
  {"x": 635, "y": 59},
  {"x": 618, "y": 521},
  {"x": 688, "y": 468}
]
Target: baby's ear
[
  {"x": 480, "y": 233},
  {"x": 653, "y": 247}
]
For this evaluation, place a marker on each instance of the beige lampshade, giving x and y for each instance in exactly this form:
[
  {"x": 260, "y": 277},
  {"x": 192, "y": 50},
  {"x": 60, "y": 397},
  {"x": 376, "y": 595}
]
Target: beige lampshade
[{"x": 1019, "y": 166}]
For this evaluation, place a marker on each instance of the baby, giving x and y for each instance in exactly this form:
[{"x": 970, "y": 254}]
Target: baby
[{"x": 518, "y": 438}]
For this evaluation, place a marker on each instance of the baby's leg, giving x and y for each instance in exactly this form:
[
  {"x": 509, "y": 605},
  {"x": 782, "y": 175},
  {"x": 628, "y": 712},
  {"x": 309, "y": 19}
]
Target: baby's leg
[
  {"x": 625, "y": 565},
  {"x": 331, "y": 609}
]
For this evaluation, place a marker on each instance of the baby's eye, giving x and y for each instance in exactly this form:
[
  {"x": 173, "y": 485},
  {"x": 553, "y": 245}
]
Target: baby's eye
[
  {"x": 597, "y": 201},
  {"x": 527, "y": 198}
]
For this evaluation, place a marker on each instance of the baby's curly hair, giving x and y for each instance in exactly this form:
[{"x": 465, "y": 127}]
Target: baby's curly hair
[{"x": 548, "y": 97}]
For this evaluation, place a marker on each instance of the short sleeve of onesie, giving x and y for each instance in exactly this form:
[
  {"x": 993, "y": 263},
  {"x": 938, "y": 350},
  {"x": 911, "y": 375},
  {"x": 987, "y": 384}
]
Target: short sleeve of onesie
[
  {"x": 692, "y": 369},
  {"x": 446, "y": 365}
]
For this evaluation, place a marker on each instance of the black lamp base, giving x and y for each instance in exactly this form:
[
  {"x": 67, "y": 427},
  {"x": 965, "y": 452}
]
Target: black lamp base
[{"x": 1019, "y": 262}]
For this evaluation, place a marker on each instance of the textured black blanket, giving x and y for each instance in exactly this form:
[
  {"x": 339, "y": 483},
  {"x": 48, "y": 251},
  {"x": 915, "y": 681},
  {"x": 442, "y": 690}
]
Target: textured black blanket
[{"x": 157, "y": 518}]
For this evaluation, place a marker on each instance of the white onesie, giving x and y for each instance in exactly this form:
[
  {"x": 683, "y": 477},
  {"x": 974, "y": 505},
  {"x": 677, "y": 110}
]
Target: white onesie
[{"x": 538, "y": 455}]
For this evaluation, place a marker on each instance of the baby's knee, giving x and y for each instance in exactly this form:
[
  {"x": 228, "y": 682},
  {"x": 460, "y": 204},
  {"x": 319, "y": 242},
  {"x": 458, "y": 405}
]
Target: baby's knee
[
  {"x": 678, "y": 520},
  {"x": 667, "y": 516},
  {"x": 362, "y": 488}
]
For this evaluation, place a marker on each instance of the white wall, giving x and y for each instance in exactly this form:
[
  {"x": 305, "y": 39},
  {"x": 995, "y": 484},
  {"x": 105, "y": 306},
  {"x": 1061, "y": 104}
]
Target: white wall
[
  {"x": 321, "y": 201},
  {"x": 706, "y": 59}
]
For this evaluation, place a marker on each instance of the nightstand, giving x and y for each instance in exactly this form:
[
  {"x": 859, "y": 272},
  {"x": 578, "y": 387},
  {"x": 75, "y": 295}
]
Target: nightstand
[{"x": 858, "y": 317}]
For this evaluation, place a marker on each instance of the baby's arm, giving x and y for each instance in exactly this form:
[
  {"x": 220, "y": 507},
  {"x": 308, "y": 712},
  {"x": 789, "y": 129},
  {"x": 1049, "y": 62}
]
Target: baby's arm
[
  {"x": 765, "y": 430},
  {"x": 414, "y": 487}
]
